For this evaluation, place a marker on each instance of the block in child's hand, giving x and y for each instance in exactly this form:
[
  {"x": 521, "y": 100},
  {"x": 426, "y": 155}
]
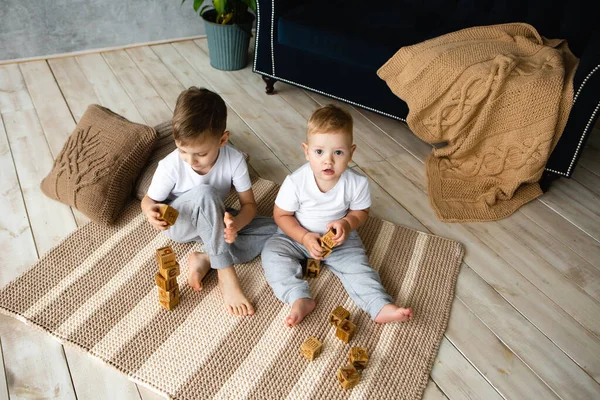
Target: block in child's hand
[
  {"x": 165, "y": 256},
  {"x": 163, "y": 283},
  {"x": 311, "y": 348},
  {"x": 338, "y": 315},
  {"x": 358, "y": 357},
  {"x": 348, "y": 376},
  {"x": 345, "y": 330},
  {"x": 326, "y": 251},
  {"x": 327, "y": 239},
  {"x": 168, "y": 214},
  {"x": 170, "y": 272},
  {"x": 313, "y": 268}
]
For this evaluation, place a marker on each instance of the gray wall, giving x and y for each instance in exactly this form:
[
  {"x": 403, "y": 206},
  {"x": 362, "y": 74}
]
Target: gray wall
[{"x": 33, "y": 28}]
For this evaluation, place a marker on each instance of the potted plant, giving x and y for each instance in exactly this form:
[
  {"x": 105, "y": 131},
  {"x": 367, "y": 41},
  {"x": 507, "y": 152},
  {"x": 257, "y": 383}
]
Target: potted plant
[{"x": 228, "y": 30}]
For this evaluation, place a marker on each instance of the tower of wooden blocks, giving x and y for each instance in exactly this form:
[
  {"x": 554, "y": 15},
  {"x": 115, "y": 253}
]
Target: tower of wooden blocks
[
  {"x": 338, "y": 315},
  {"x": 311, "y": 348},
  {"x": 327, "y": 243},
  {"x": 166, "y": 277},
  {"x": 348, "y": 376},
  {"x": 168, "y": 214}
]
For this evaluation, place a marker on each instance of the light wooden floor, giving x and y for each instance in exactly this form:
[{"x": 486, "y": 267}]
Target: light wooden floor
[{"x": 525, "y": 323}]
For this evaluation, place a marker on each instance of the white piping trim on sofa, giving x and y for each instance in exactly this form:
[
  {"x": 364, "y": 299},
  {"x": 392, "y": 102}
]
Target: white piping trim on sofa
[
  {"x": 587, "y": 127},
  {"x": 584, "y": 82},
  {"x": 330, "y": 95},
  {"x": 272, "y": 34},
  {"x": 257, "y": 33}
]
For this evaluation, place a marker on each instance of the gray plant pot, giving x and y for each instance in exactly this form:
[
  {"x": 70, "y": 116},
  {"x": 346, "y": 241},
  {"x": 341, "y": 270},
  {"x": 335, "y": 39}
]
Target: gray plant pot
[{"x": 228, "y": 44}]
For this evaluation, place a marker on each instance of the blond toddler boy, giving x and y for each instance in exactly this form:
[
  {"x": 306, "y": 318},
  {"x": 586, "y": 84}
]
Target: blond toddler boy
[
  {"x": 195, "y": 179},
  {"x": 320, "y": 195}
]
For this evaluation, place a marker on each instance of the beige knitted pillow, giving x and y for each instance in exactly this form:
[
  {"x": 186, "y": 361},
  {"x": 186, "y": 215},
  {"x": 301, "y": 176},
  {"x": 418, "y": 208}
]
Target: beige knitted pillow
[{"x": 96, "y": 169}]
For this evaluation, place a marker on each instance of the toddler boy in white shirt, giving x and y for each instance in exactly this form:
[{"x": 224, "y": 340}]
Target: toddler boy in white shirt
[
  {"x": 195, "y": 179},
  {"x": 321, "y": 195}
]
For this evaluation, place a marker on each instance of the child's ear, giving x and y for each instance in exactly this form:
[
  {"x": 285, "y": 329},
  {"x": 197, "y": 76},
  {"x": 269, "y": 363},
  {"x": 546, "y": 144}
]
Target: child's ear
[
  {"x": 352, "y": 150},
  {"x": 224, "y": 139},
  {"x": 305, "y": 147}
]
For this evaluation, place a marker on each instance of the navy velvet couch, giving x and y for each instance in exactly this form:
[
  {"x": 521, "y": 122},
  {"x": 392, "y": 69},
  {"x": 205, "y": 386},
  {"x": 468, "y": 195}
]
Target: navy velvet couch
[{"x": 335, "y": 48}]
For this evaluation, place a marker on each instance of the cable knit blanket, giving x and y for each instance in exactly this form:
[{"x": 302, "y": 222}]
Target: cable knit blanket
[{"x": 498, "y": 98}]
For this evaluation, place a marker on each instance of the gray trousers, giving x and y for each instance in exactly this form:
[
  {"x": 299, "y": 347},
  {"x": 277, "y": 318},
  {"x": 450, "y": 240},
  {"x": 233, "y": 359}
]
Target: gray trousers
[
  {"x": 281, "y": 261},
  {"x": 201, "y": 213}
]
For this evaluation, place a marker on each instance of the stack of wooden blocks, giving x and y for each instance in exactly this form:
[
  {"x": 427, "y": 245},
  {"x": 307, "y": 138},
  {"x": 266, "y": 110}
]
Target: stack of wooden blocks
[
  {"x": 166, "y": 277},
  {"x": 344, "y": 328},
  {"x": 327, "y": 243}
]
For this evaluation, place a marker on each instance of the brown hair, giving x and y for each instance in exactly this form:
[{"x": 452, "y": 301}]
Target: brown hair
[
  {"x": 199, "y": 111},
  {"x": 329, "y": 119}
]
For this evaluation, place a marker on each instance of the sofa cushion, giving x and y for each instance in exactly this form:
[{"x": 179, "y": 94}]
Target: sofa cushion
[{"x": 97, "y": 167}]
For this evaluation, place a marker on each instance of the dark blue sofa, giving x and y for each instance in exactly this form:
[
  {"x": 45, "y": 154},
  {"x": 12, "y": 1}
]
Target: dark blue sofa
[{"x": 335, "y": 48}]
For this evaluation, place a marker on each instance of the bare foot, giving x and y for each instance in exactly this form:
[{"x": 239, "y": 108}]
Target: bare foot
[
  {"x": 198, "y": 267},
  {"x": 393, "y": 313},
  {"x": 300, "y": 309},
  {"x": 235, "y": 300}
]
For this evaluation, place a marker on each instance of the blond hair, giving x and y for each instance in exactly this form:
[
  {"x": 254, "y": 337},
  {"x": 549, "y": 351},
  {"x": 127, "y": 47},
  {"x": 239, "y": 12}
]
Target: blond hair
[
  {"x": 199, "y": 111},
  {"x": 329, "y": 119}
]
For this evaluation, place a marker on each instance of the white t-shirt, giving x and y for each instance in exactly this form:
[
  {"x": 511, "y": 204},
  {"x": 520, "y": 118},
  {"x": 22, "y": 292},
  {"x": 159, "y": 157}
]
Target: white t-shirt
[
  {"x": 314, "y": 209},
  {"x": 173, "y": 176}
]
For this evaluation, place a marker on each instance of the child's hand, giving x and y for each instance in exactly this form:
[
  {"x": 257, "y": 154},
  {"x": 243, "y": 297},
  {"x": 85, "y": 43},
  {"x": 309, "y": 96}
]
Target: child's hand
[
  {"x": 152, "y": 213},
  {"x": 342, "y": 230},
  {"x": 310, "y": 240},
  {"x": 231, "y": 229}
]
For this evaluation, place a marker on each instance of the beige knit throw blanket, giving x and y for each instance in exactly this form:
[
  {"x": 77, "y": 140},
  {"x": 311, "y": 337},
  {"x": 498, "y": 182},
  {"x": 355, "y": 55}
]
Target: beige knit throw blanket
[
  {"x": 498, "y": 97},
  {"x": 96, "y": 291}
]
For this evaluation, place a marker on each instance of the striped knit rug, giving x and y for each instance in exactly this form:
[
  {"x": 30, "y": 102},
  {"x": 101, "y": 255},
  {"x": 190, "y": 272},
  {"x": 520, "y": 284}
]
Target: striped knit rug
[{"x": 96, "y": 291}]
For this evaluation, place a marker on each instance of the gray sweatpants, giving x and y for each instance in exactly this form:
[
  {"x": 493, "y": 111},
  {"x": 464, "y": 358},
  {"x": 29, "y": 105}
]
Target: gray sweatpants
[
  {"x": 281, "y": 261},
  {"x": 201, "y": 213}
]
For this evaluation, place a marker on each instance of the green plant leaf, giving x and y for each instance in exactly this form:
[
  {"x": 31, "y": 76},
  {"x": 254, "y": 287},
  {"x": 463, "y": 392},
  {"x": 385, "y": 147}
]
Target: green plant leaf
[
  {"x": 197, "y": 4},
  {"x": 220, "y": 6}
]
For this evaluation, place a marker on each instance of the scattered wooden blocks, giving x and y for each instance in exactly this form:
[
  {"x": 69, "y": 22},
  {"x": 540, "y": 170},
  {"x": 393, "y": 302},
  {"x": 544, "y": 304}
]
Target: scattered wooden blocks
[
  {"x": 358, "y": 357},
  {"x": 166, "y": 278},
  {"x": 163, "y": 283},
  {"x": 348, "y": 376},
  {"x": 345, "y": 330},
  {"x": 313, "y": 268},
  {"x": 338, "y": 315},
  {"x": 311, "y": 348},
  {"x": 168, "y": 214}
]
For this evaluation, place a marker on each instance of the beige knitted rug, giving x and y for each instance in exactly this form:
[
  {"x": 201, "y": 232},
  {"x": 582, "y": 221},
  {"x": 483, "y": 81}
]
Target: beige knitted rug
[{"x": 96, "y": 291}]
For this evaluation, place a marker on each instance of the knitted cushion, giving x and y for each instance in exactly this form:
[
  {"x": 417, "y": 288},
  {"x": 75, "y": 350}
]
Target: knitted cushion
[{"x": 97, "y": 167}]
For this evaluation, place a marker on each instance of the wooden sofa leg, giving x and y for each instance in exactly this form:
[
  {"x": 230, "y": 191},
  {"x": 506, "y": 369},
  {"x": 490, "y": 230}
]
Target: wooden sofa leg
[
  {"x": 270, "y": 82},
  {"x": 547, "y": 178}
]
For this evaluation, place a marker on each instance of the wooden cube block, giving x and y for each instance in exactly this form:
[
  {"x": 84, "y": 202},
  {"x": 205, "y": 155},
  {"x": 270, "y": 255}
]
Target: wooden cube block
[
  {"x": 163, "y": 283},
  {"x": 169, "y": 305},
  {"x": 313, "y": 268},
  {"x": 311, "y": 348},
  {"x": 326, "y": 251},
  {"x": 327, "y": 239},
  {"x": 170, "y": 272},
  {"x": 358, "y": 357},
  {"x": 168, "y": 295},
  {"x": 165, "y": 256},
  {"x": 168, "y": 214},
  {"x": 345, "y": 330},
  {"x": 338, "y": 315},
  {"x": 348, "y": 376}
]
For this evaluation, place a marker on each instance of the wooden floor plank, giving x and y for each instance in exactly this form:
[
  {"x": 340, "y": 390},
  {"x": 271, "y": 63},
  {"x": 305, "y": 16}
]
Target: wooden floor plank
[
  {"x": 587, "y": 178},
  {"x": 590, "y": 159},
  {"x": 457, "y": 378},
  {"x": 3, "y": 384}
]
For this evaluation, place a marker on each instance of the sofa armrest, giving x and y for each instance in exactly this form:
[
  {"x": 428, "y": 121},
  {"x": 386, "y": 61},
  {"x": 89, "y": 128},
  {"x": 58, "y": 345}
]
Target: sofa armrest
[
  {"x": 584, "y": 113},
  {"x": 268, "y": 12}
]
